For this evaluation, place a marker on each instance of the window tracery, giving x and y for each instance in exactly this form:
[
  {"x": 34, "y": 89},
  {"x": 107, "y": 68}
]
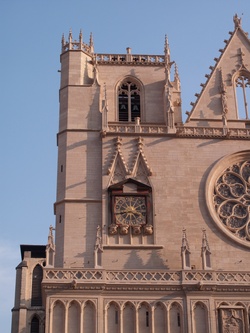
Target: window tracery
[
  {"x": 129, "y": 101},
  {"x": 232, "y": 199},
  {"x": 242, "y": 85}
]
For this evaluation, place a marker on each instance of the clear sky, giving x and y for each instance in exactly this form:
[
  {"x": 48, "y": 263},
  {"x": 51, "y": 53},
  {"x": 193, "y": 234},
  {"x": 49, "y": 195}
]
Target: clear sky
[{"x": 31, "y": 33}]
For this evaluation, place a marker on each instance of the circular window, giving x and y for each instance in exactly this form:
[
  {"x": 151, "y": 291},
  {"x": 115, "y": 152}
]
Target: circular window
[{"x": 228, "y": 196}]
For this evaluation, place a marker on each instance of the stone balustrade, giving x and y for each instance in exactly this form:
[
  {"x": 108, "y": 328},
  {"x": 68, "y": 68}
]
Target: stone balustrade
[{"x": 148, "y": 277}]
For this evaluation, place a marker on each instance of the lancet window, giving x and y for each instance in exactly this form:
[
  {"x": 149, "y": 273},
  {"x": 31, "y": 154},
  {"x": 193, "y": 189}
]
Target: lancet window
[
  {"x": 242, "y": 84},
  {"x": 129, "y": 100},
  {"x": 34, "y": 325},
  {"x": 37, "y": 276}
]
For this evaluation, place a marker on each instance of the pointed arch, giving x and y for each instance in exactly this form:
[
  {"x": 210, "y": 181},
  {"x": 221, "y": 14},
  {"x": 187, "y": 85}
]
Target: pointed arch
[
  {"x": 58, "y": 320},
  {"x": 144, "y": 318},
  {"x": 241, "y": 82},
  {"x": 113, "y": 317},
  {"x": 129, "y": 99},
  {"x": 74, "y": 312},
  {"x": 35, "y": 324},
  {"x": 175, "y": 318},
  {"x": 89, "y": 317},
  {"x": 36, "y": 293},
  {"x": 160, "y": 318},
  {"x": 200, "y": 317},
  {"x": 129, "y": 318}
]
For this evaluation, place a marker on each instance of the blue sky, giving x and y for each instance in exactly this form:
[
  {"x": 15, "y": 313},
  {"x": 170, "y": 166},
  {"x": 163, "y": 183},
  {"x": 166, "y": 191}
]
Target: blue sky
[{"x": 31, "y": 33}]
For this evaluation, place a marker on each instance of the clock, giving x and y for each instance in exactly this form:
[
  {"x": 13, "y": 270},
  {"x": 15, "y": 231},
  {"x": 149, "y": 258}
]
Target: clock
[{"x": 130, "y": 210}]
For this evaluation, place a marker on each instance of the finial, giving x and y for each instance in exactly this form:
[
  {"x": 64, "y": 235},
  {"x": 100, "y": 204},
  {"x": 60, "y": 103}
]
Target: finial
[
  {"x": 176, "y": 76},
  {"x": 166, "y": 47},
  {"x": 237, "y": 21},
  {"x": 70, "y": 35},
  {"x": 80, "y": 37},
  {"x": 63, "y": 40},
  {"x": 91, "y": 43},
  {"x": 51, "y": 236},
  {"x": 105, "y": 94}
]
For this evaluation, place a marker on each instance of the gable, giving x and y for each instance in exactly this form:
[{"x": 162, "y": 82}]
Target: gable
[{"x": 216, "y": 104}]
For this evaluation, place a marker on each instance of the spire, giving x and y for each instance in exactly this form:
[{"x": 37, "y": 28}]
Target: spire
[
  {"x": 167, "y": 59},
  {"x": 50, "y": 248},
  {"x": 63, "y": 41},
  {"x": 177, "y": 77},
  {"x": 166, "y": 48},
  {"x": 80, "y": 37},
  {"x": 185, "y": 253},
  {"x": 205, "y": 251},
  {"x": 237, "y": 21},
  {"x": 70, "y": 39},
  {"x": 168, "y": 63},
  {"x": 91, "y": 43},
  {"x": 105, "y": 94},
  {"x": 70, "y": 35}
]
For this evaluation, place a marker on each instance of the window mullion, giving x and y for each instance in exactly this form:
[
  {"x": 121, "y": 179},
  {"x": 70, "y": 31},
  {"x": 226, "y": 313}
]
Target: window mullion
[
  {"x": 244, "y": 95},
  {"x": 129, "y": 105}
]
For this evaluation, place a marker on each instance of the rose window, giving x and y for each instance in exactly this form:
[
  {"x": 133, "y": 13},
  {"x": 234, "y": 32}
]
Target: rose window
[
  {"x": 232, "y": 199},
  {"x": 228, "y": 196}
]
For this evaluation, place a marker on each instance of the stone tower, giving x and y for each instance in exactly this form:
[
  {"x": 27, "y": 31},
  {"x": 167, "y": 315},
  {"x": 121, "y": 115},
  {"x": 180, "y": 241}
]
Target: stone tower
[{"x": 152, "y": 214}]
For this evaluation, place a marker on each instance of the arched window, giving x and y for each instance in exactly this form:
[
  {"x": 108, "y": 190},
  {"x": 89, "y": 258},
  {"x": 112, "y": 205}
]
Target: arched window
[
  {"x": 34, "y": 325},
  {"x": 129, "y": 100},
  {"x": 242, "y": 84},
  {"x": 37, "y": 276}
]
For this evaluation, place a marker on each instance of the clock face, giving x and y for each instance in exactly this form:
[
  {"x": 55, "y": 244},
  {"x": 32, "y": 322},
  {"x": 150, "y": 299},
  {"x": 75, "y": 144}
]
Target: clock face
[{"x": 130, "y": 210}]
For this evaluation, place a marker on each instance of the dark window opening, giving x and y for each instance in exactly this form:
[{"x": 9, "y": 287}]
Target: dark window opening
[
  {"x": 116, "y": 316},
  {"x": 37, "y": 276},
  {"x": 147, "y": 319},
  {"x": 129, "y": 101},
  {"x": 34, "y": 327},
  {"x": 178, "y": 320}
]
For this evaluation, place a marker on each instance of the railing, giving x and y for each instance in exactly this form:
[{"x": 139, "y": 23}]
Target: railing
[
  {"x": 133, "y": 128},
  {"x": 75, "y": 45},
  {"x": 130, "y": 59},
  {"x": 209, "y": 132},
  {"x": 147, "y": 277},
  {"x": 240, "y": 133}
]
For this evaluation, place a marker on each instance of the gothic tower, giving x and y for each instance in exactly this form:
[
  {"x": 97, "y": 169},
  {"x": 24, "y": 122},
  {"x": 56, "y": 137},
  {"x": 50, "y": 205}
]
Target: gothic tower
[{"x": 152, "y": 214}]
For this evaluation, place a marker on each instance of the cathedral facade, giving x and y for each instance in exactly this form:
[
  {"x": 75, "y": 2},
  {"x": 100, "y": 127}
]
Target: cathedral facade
[{"x": 151, "y": 231}]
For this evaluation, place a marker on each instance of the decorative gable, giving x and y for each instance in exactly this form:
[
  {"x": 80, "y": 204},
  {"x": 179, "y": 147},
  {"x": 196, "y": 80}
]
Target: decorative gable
[{"x": 218, "y": 104}]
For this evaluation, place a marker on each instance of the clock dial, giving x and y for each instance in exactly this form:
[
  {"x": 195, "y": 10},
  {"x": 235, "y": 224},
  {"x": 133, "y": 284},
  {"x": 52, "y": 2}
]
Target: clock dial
[{"x": 130, "y": 210}]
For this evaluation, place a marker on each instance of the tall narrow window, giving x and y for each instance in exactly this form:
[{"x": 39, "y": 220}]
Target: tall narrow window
[
  {"x": 242, "y": 90},
  {"x": 129, "y": 101},
  {"x": 37, "y": 276},
  {"x": 34, "y": 325}
]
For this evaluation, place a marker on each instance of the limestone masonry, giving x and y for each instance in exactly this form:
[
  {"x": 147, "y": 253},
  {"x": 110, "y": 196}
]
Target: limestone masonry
[{"x": 152, "y": 231}]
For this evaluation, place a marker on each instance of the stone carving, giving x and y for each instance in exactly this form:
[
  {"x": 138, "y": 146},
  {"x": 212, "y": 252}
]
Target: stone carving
[
  {"x": 232, "y": 321},
  {"x": 118, "y": 168},
  {"x": 232, "y": 199}
]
